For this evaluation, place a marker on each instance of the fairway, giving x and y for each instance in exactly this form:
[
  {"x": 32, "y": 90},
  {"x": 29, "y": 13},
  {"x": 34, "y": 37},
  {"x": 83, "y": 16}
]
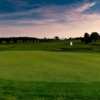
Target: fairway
[
  {"x": 49, "y": 66},
  {"x": 45, "y": 75}
]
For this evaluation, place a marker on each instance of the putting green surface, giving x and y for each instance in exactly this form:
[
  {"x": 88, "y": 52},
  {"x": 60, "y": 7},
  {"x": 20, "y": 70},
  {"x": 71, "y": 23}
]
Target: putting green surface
[{"x": 44, "y": 66}]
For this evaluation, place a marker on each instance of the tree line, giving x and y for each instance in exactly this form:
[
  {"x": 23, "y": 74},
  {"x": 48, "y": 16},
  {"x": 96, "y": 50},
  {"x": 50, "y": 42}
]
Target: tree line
[
  {"x": 27, "y": 40},
  {"x": 93, "y": 37}
]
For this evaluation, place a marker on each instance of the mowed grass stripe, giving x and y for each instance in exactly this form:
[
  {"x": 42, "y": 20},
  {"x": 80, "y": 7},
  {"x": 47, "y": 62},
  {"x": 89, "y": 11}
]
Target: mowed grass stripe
[{"x": 46, "y": 66}]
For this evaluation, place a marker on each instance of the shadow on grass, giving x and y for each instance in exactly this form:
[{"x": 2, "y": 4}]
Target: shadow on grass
[
  {"x": 75, "y": 50},
  {"x": 96, "y": 45},
  {"x": 16, "y": 90}
]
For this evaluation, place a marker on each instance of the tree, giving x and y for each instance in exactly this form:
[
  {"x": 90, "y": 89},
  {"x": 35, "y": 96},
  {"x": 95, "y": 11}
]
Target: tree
[
  {"x": 87, "y": 38},
  {"x": 56, "y": 38},
  {"x": 14, "y": 40},
  {"x": 82, "y": 40},
  {"x": 94, "y": 36},
  {"x": 7, "y": 40}
]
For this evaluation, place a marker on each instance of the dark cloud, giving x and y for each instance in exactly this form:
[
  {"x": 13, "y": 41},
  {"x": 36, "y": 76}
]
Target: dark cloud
[
  {"x": 20, "y": 5},
  {"x": 53, "y": 10}
]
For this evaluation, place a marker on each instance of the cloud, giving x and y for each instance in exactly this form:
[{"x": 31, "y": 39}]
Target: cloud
[
  {"x": 85, "y": 7},
  {"x": 61, "y": 20},
  {"x": 77, "y": 17},
  {"x": 26, "y": 22},
  {"x": 18, "y": 3},
  {"x": 52, "y": 11}
]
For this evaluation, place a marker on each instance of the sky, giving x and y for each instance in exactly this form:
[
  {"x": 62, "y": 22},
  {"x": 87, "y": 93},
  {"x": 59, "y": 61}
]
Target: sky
[{"x": 49, "y": 18}]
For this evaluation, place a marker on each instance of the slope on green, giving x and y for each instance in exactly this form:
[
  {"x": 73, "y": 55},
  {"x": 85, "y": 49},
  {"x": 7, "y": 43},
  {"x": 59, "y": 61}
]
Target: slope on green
[
  {"x": 49, "y": 66},
  {"x": 45, "y": 75}
]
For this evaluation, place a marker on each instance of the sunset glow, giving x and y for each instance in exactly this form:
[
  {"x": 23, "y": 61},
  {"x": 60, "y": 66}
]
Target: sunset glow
[{"x": 42, "y": 18}]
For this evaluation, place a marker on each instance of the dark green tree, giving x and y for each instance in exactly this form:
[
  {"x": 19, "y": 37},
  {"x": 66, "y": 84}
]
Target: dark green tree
[
  {"x": 56, "y": 38},
  {"x": 86, "y": 38},
  {"x": 94, "y": 36}
]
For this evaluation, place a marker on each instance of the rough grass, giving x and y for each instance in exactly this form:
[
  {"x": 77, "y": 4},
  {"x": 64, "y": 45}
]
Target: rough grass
[
  {"x": 22, "y": 90},
  {"x": 30, "y": 74}
]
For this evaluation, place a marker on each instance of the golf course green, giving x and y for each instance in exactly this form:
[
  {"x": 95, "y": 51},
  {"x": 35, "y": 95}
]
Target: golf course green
[
  {"x": 30, "y": 74},
  {"x": 49, "y": 66}
]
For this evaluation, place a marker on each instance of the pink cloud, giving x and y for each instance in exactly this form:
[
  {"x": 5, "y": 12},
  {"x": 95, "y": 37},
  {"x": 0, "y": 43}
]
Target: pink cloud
[
  {"x": 85, "y": 7},
  {"x": 63, "y": 21}
]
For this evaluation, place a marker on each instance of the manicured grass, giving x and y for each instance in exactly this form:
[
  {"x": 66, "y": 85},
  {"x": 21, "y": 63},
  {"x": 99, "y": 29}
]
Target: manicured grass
[
  {"x": 49, "y": 66},
  {"x": 61, "y": 46},
  {"x": 45, "y": 75},
  {"x": 50, "y": 71}
]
